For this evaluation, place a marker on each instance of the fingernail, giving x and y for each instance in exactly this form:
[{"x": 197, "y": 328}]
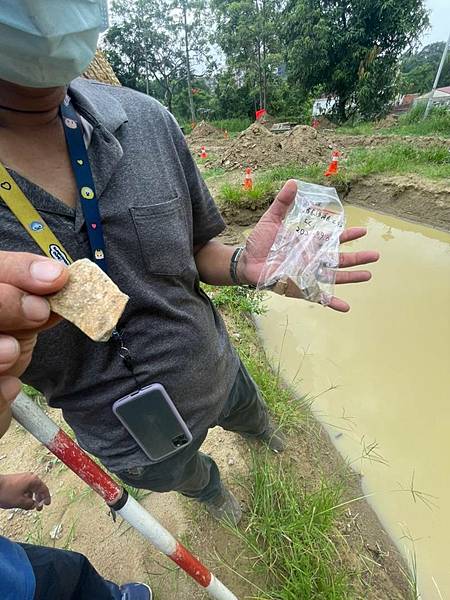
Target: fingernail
[
  {"x": 46, "y": 270},
  {"x": 9, "y": 349},
  {"x": 35, "y": 308}
]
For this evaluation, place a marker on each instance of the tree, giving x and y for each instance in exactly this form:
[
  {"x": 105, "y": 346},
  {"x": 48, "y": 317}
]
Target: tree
[
  {"x": 418, "y": 70},
  {"x": 151, "y": 44},
  {"x": 351, "y": 48},
  {"x": 247, "y": 32}
]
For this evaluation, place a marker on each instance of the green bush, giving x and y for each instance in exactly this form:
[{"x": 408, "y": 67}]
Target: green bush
[{"x": 232, "y": 125}]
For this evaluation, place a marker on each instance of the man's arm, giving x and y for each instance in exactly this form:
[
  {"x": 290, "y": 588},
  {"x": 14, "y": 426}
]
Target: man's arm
[
  {"x": 213, "y": 263},
  {"x": 213, "y": 259}
]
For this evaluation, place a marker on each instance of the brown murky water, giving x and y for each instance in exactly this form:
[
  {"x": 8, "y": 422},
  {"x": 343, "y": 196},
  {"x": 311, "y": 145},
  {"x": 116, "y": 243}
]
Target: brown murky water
[{"x": 380, "y": 378}]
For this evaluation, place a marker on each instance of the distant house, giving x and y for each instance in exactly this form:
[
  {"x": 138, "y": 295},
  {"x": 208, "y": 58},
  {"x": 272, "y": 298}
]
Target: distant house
[
  {"x": 441, "y": 97},
  {"x": 323, "y": 106}
]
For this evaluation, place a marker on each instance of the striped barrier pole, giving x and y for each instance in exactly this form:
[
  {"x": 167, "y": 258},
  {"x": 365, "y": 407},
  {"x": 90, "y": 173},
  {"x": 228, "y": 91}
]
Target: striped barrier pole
[{"x": 34, "y": 420}]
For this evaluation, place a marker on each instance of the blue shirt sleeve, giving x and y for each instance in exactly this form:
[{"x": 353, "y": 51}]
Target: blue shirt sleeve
[{"x": 16, "y": 574}]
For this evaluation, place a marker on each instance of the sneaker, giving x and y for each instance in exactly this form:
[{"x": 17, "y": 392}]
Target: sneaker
[
  {"x": 273, "y": 438},
  {"x": 224, "y": 507},
  {"x": 135, "y": 591}
]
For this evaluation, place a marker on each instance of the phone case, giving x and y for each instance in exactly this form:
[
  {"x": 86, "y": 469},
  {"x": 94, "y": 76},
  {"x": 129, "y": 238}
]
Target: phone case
[{"x": 152, "y": 419}]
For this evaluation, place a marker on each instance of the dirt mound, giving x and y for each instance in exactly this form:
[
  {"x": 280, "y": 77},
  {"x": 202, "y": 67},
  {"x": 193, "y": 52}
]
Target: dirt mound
[
  {"x": 255, "y": 147},
  {"x": 204, "y": 130},
  {"x": 304, "y": 145}
]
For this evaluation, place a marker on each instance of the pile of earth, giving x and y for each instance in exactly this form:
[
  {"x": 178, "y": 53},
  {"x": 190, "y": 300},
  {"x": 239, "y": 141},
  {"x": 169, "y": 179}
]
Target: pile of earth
[
  {"x": 256, "y": 147},
  {"x": 304, "y": 145},
  {"x": 202, "y": 131}
]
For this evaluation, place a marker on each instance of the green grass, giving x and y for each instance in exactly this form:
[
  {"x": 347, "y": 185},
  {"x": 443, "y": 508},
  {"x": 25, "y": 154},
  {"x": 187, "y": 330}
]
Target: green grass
[
  {"x": 232, "y": 125},
  {"x": 236, "y": 195},
  {"x": 398, "y": 158},
  {"x": 215, "y": 172},
  {"x": 412, "y": 123},
  {"x": 290, "y": 530},
  {"x": 290, "y": 535}
]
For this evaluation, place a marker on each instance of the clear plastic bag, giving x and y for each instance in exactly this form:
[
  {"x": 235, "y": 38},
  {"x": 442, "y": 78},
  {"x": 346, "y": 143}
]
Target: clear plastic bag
[{"x": 305, "y": 254}]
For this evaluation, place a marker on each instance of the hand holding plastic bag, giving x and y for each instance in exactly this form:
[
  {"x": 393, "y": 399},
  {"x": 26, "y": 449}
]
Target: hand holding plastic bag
[
  {"x": 303, "y": 259},
  {"x": 260, "y": 241}
]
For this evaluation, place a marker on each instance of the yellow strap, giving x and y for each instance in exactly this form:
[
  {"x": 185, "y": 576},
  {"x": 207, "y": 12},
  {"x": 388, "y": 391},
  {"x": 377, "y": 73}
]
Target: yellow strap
[{"x": 31, "y": 220}]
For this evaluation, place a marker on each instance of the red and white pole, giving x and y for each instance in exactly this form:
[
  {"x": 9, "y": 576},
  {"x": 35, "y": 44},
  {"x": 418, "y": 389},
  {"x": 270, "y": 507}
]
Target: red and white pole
[{"x": 34, "y": 420}]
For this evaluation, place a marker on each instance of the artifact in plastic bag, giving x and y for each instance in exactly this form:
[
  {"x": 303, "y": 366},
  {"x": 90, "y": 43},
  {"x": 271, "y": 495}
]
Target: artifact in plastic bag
[{"x": 303, "y": 259}]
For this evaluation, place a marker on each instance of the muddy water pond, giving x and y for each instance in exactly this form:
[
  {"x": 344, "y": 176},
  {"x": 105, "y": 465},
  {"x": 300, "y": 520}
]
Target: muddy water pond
[{"x": 379, "y": 380}]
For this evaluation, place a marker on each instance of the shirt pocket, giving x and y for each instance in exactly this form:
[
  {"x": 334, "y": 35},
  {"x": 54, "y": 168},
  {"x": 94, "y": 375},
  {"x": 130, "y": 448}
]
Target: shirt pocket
[{"x": 163, "y": 237}]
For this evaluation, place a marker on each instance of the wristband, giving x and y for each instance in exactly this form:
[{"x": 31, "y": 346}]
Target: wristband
[
  {"x": 233, "y": 268},
  {"x": 234, "y": 264}
]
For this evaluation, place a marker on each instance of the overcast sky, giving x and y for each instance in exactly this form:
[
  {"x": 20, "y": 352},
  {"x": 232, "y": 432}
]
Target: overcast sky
[{"x": 440, "y": 21}]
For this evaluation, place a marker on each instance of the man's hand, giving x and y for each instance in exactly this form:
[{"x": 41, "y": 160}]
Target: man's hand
[
  {"x": 263, "y": 235},
  {"x": 24, "y": 279},
  {"x": 23, "y": 490}
]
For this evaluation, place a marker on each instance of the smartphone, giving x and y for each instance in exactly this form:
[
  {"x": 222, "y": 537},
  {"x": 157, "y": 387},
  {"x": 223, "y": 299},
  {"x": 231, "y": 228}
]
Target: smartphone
[{"x": 152, "y": 419}]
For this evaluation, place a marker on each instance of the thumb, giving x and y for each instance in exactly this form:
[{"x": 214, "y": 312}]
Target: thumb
[{"x": 283, "y": 201}]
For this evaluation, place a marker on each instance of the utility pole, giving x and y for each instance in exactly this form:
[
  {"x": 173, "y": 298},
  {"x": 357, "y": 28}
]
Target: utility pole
[
  {"x": 188, "y": 62},
  {"x": 436, "y": 81}
]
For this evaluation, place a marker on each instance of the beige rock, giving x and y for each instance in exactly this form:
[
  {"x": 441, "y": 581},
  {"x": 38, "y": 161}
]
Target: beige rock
[{"x": 90, "y": 300}]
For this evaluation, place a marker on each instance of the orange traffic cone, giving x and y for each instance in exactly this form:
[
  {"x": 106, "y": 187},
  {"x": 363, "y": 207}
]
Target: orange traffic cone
[
  {"x": 333, "y": 166},
  {"x": 203, "y": 153},
  {"x": 248, "y": 182}
]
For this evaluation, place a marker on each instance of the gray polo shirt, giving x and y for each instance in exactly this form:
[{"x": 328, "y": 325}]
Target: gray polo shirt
[{"x": 155, "y": 208}]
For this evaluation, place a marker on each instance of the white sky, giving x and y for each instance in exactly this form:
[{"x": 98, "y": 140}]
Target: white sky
[{"x": 440, "y": 21}]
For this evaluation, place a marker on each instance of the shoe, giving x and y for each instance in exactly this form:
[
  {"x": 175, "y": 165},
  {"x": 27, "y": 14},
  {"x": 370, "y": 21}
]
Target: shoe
[
  {"x": 224, "y": 507},
  {"x": 136, "y": 591},
  {"x": 273, "y": 438}
]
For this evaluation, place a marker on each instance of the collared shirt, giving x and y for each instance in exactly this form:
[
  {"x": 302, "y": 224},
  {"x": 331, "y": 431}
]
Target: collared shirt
[{"x": 155, "y": 208}]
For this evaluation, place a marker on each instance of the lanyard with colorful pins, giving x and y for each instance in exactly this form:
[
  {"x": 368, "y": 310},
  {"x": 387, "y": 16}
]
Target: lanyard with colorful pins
[{"x": 73, "y": 130}]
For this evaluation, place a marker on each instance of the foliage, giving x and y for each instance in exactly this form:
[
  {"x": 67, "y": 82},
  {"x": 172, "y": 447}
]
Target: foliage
[
  {"x": 419, "y": 69},
  {"x": 232, "y": 125},
  {"x": 290, "y": 535},
  {"x": 237, "y": 300},
  {"x": 247, "y": 32},
  {"x": 351, "y": 49},
  {"x": 147, "y": 47},
  {"x": 257, "y": 197},
  {"x": 412, "y": 123}
]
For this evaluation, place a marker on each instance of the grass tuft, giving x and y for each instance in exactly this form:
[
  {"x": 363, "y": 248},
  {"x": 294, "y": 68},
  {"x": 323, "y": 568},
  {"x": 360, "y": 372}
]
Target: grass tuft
[{"x": 290, "y": 535}]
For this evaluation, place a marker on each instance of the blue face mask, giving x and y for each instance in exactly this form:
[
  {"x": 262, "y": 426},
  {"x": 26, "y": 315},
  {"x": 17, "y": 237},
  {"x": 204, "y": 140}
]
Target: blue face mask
[{"x": 47, "y": 43}]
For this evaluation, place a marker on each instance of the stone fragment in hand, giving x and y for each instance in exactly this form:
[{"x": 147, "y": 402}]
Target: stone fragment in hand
[{"x": 90, "y": 300}]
